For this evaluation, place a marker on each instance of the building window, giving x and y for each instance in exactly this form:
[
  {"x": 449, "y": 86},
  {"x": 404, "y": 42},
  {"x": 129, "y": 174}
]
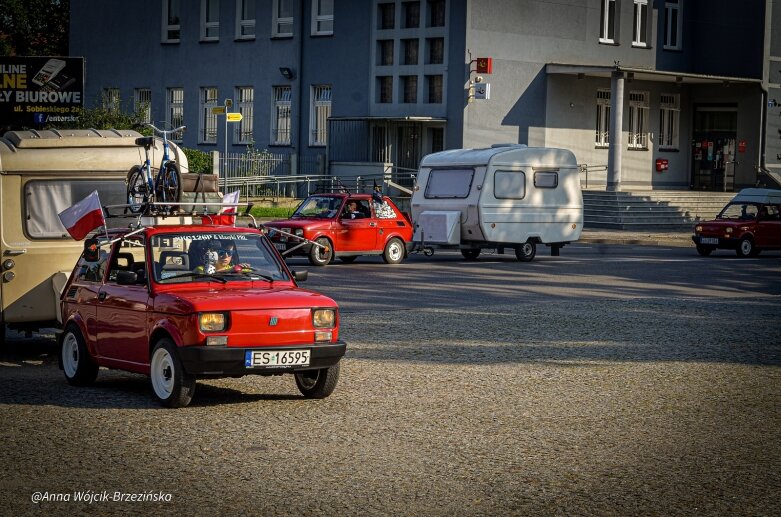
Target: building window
[
  {"x": 171, "y": 27},
  {"x": 640, "y": 32},
  {"x": 434, "y": 89},
  {"x": 322, "y": 17},
  {"x": 142, "y": 104},
  {"x": 210, "y": 20},
  {"x": 603, "y": 119},
  {"x": 386, "y": 16},
  {"x": 669, "y": 118},
  {"x": 281, "y": 116},
  {"x": 110, "y": 99},
  {"x": 411, "y": 11},
  {"x": 175, "y": 101},
  {"x": 385, "y": 52},
  {"x": 318, "y": 115},
  {"x": 672, "y": 25},
  {"x": 245, "y": 19},
  {"x": 410, "y": 47},
  {"x": 437, "y": 138},
  {"x": 607, "y": 22},
  {"x": 245, "y": 103},
  {"x": 385, "y": 89},
  {"x": 436, "y": 51},
  {"x": 638, "y": 120},
  {"x": 436, "y": 13},
  {"x": 282, "y": 19},
  {"x": 208, "y": 129},
  {"x": 409, "y": 84}
]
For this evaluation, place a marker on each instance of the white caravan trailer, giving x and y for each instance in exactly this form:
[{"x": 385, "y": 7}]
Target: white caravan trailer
[{"x": 507, "y": 196}]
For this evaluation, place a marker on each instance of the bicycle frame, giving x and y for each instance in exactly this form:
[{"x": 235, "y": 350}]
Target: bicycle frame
[{"x": 162, "y": 186}]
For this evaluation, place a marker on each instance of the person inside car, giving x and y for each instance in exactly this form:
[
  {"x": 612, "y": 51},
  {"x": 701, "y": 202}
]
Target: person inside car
[{"x": 352, "y": 212}]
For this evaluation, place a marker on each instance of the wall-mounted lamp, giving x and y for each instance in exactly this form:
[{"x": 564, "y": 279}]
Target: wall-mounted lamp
[{"x": 286, "y": 72}]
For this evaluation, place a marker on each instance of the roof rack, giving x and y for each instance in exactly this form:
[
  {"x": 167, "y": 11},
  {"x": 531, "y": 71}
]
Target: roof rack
[{"x": 164, "y": 210}]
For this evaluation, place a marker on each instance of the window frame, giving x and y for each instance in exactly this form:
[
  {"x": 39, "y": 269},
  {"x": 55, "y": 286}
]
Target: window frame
[
  {"x": 409, "y": 89},
  {"x": 607, "y": 21},
  {"x": 167, "y": 28},
  {"x": 669, "y": 117},
  {"x": 671, "y": 6},
  {"x": 318, "y": 18},
  {"x": 242, "y": 22},
  {"x": 602, "y": 136},
  {"x": 320, "y": 110},
  {"x": 111, "y": 99},
  {"x": 539, "y": 175},
  {"x": 433, "y": 172},
  {"x": 142, "y": 102},
  {"x": 407, "y": 13},
  {"x": 384, "y": 85},
  {"x": 206, "y": 25},
  {"x": 175, "y": 110},
  {"x": 277, "y": 21},
  {"x": 209, "y": 98},
  {"x": 639, "y": 109},
  {"x": 281, "y": 110},
  {"x": 640, "y": 23},
  {"x": 243, "y": 132},
  {"x": 435, "y": 83},
  {"x": 384, "y": 8},
  {"x": 502, "y": 195}
]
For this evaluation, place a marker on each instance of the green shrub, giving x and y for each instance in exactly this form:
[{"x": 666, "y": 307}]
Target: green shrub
[{"x": 198, "y": 161}]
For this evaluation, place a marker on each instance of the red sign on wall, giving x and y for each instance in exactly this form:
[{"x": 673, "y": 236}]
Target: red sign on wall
[
  {"x": 741, "y": 146},
  {"x": 485, "y": 65}
]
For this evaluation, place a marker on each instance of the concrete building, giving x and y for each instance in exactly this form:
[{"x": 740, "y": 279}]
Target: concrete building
[{"x": 630, "y": 86}]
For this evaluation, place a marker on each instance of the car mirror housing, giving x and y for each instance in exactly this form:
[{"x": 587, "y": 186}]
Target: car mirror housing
[{"x": 300, "y": 276}]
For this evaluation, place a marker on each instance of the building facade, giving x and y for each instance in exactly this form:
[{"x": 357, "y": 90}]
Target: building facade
[{"x": 648, "y": 94}]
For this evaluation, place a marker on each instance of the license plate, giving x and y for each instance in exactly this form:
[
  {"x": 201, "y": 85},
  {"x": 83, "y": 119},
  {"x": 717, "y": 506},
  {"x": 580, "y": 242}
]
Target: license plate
[
  {"x": 709, "y": 240},
  {"x": 276, "y": 359},
  {"x": 281, "y": 246}
]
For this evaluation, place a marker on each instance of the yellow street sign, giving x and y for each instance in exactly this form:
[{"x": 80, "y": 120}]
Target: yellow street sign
[
  {"x": 218, "y": 110},
  {"x": 233, "y": 117}
]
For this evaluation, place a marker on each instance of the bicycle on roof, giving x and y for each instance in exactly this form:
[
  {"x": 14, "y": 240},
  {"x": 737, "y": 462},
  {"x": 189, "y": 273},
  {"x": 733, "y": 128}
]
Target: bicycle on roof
[{"x": 143, "y": 187}]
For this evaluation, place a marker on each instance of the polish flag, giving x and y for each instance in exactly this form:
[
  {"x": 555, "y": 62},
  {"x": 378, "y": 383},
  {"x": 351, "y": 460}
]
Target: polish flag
[
  {"x": 230, "y": 198},
  {"x": 83, "y": 217}
]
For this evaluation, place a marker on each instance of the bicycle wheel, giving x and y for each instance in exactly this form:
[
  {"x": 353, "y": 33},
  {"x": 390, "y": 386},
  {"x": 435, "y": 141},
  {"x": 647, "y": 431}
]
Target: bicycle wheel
[
  {"x": 137, "y": 189},
  {"x": 169, "y": 187}
]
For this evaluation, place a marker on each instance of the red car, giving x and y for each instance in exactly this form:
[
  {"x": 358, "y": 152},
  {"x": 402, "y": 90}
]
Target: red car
[
  {"x": 183, "y": 302},
  {"x": 750, "y": 223},
  {"x": 345, "y": 226}
]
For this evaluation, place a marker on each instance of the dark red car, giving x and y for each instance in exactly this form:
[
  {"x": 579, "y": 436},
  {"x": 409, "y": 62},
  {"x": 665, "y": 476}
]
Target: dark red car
[
  {"x": 750, "y": 223},
  {"x": 345, "y": 226},
  {"x": 183, "y": 302}
]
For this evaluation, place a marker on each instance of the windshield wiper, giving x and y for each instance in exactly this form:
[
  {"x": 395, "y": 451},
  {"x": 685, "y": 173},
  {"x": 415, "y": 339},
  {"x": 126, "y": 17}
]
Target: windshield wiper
[
  {"x": 252, "y": 274},
  {"x": 198, "y": 275}
]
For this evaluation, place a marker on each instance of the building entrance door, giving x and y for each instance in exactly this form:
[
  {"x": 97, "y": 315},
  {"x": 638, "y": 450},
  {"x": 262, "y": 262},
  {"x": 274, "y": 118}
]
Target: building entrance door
[{"x": 713, "y": 148}]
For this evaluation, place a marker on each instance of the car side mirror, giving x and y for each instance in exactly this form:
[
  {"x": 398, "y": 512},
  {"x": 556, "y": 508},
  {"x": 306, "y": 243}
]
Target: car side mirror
[
  {"x": 126, "y": 278},
  {"x": 91, "y": 250},
  {"x": 300, "y": 276}
]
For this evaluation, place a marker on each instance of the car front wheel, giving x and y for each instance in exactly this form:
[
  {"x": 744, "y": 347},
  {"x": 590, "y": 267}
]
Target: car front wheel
[
  {"x": 704, "y": 250},
  {"x": 318, "y": 384},
  {"x": 320, "y": 256},
  {"x": 76, "y": 362},
  {"x": 173, "y": 386},
  {"x": 394, "y": 251}
]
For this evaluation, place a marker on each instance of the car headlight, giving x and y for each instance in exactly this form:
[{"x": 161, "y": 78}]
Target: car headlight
[
  {"x": 698, "y": 228},
  {"x": 324, "y": 318},
  {"x": 299, "y": 232},
  {"x": 728, "y": 230},
  {"x": 212, "y": 321}
]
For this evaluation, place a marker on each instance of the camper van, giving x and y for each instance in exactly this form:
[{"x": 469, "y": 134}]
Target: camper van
[
  {"x": 506, "y": 196},
  {"x": 41, "y": 174}
]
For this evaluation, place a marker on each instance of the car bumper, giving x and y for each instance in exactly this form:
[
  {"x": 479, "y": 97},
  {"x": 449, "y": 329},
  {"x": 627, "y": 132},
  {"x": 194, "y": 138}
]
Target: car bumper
[
  {"x": 724, "y": 244},
  {"x": 300, "y": 249},
  {"x": 229, "y": 361}
]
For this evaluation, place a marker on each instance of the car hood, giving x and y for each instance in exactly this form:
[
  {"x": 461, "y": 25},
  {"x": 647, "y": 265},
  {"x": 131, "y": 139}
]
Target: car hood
[
  {"x": 304, "y": 222},
  {"x": 718, "y": 225},
  {"x": 230, "y": 298}
]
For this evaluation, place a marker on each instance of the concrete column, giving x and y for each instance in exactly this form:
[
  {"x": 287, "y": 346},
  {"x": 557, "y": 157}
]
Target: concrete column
[{"x": 616, "y": 131}]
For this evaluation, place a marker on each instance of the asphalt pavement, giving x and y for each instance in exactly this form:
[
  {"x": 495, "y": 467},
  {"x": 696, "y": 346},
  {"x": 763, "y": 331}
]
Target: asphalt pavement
[{"x": 637, "y": 237}]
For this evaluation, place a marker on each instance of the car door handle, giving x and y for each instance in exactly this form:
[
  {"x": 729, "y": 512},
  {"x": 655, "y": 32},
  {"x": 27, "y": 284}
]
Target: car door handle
[
  {"x": 372, "y": 224},
  {"x": 102, "y": 296}
]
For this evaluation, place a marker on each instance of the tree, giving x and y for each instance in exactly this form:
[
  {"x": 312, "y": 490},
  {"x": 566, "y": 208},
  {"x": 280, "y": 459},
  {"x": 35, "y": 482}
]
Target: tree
[{"x": 34, "y": 27}]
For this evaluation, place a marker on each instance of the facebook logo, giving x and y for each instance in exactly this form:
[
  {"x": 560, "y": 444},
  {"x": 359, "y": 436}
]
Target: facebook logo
[{"x": 39, "y": 118}]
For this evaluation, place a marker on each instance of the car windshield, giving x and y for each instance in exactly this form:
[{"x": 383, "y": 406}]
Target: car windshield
[
  {"x": 741, "y": 211},
  {"x": 319, "y": 206},
  {"x": 208, "y": 256}
]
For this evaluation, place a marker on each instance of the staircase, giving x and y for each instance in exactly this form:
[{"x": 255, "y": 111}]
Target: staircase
[{"x": 651, "y": 210}]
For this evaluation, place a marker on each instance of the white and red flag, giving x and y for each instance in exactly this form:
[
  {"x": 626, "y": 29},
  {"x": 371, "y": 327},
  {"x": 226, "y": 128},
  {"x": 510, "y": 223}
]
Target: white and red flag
[
  {"x": 231, "y": 198},
  {"x": 83, "y": 217}
]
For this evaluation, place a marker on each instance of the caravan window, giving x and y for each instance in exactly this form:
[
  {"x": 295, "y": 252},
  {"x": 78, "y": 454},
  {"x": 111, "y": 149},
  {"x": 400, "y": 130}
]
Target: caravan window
[
  {"x": 509, "y": 185},
  {"x": 449, "y": 183},
  {"x": 44, "y": 199},
  {"x": 546, "y": 179}
]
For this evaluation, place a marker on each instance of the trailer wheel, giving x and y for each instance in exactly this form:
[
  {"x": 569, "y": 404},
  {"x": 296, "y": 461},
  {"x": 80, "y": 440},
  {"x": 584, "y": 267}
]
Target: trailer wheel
[
  {"x": 470, "y": 254},
  {"x": 526, "y": 252}
]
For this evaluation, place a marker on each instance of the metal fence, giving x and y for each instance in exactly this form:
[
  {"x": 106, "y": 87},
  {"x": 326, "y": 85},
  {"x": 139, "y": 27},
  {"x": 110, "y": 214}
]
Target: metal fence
[{"x": 264, "y": 174}]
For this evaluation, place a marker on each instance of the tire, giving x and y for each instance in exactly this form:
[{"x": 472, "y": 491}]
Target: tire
[
  {"x": 318, "y": 384},
  {"x": 526, "y": 252},
  {"x": 76, "y": 362},
  {"x": 172, "y": 385},
  {"x": 745, "y": 248},
  {"x": 704, "y": 251},
  {"x": 319, "y": 256},
  {"x": 169, "y": 189},
  {"x": 394, "y": 251},
  {"x": 137, "y": 189},
  {"x": 471, "y": 254},
  {"x": 349, "y": 259}
]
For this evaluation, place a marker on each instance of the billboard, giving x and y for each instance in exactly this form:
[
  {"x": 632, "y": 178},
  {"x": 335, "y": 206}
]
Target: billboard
[{"x": 40, "y": 90}]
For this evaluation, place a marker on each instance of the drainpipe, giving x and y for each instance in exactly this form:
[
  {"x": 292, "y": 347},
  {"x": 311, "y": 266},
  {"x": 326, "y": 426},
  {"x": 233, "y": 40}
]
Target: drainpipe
[
  {"x": 616, "y": 131},
  {"x": 299, "y": 84}
]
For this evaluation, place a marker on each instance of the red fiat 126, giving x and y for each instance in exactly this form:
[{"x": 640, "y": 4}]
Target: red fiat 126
[
  {"x": 750, "y": 223},
  {"x": 181, "y": 302},
  {"x": 346, "y": 226}
]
